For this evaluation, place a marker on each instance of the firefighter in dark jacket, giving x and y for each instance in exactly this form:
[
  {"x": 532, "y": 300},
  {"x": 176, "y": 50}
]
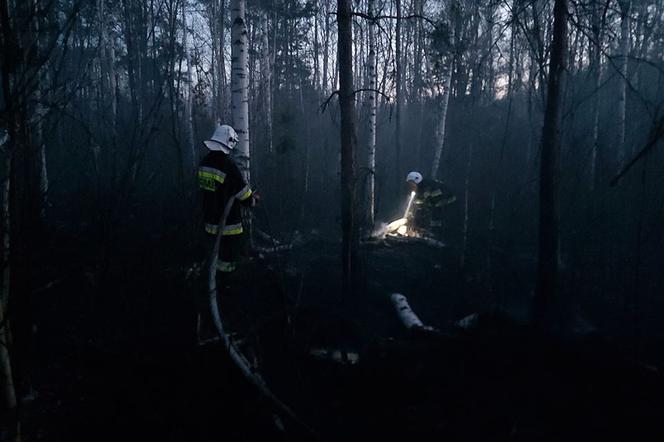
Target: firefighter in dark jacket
[
  {"x": 221, "y": 181},
  {"x": 431, "y": 197}
]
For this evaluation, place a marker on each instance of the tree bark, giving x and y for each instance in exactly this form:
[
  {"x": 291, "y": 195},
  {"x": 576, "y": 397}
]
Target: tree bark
[
  {"x": 189, "y": 101},
  {"x": 222, "y": 105},
  {"x": 240, "y": 84},
  {"x": 399, "y": 93},
  {"x": 6, "y": 376},
  {"x": 466, "y": 201},
  {"x": 372, "y": 105},
  {"x": 596, "y": 68},
  {"x": 266, "y": 68},
  {"x": 441, "y": 123},
  {"x": 350, "y": 239},
  {"x": 326, "y": 47},
  {"x": 625, "y": 9},
  {"x": 9, "y": 46},
  {"x": 547, "y": 289}
]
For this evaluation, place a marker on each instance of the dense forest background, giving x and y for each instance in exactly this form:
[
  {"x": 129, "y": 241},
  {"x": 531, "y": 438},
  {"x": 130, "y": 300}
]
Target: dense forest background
[{"x": 105, "y": 104}]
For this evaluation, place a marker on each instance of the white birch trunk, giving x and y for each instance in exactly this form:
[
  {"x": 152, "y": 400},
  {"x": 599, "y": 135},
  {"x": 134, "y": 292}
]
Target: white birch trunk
[
  {"x": 372, "y": 98},
  {"x": 406, "y": 314},
  {"x": 442, "y": 122},
  {"x": 240, "y": 84},
  {"x": 213, "y": 23},
  {"x": 398, "y": 59},
  {"x": 408, "y": 317}
]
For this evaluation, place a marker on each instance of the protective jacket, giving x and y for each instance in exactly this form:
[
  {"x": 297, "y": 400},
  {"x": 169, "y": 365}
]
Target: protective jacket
[
  {"x": 431, "y": 193},
  {"x": 219, "y": 180},
  {"x": 429, "y": 201}
]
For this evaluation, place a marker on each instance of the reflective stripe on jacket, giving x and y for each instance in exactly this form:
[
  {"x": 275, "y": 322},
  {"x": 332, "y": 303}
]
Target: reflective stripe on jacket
[{"x": 219, "y": 180}]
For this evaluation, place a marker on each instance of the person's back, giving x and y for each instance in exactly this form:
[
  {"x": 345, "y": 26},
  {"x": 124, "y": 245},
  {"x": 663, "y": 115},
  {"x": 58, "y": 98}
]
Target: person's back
[
  {"x": 221, "y": 183},
  {"x": 430, "y": 198},
  {"x": 219, "y": 180}
]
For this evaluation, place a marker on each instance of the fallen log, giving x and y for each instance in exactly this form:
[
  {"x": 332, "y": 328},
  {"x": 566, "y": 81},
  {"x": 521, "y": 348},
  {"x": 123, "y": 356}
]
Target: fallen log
[
  {"x": 408, "y": 317},
  {"x": 406, "y": 314}
]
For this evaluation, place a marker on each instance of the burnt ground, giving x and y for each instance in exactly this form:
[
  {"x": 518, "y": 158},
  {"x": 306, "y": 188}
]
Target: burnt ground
[{"x": 114, "y": 355}]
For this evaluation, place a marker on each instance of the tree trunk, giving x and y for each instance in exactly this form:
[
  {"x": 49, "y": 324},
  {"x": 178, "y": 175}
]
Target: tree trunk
[
  {"x": 316, "y": 46},
  {"x": 466, "y": 195},
  {"x": 546, "y": 295},
  {"x": 222, "y": 108},
  {"x": 6, "y": 377},
  {"x": 625, "y": 9},
  {"x": 326, "y": 47},
  {"x": 441, "y": 123},
  {"x": 399, "y": 98},
  {"x": 350, "y": 238},
  {"x": 266, "y": 68},
  {"x": 8, "y": 392},
  {"x": 134, "y": 71},
  {"x": 240, "y": 84},
  {"x": 596, "y": 68},
  {"x": 189, "y": 100},
  {"x": 37, "y": 111},
  {"x": 372, "y": 105}
]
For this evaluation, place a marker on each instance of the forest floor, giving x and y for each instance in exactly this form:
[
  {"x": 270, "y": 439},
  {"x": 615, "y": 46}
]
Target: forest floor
[{"x": 114, "y": 357}]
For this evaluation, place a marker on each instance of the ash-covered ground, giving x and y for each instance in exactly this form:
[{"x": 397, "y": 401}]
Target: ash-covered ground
[{"x": 115, "y": 355}]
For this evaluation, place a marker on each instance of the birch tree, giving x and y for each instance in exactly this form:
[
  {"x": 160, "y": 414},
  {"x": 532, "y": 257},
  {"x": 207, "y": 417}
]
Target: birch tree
[
  {"x": 240, "y": 84},
  {"x": 398, "y": 90},
  {"x": 443, "y": 45},
  {"x": 372, "y": 105}
]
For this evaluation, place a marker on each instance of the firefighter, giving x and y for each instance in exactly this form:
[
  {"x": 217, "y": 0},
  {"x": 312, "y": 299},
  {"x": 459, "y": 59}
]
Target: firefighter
[
  {"x": 431, "y": 197},
  {"x": 220, "y": 181}
]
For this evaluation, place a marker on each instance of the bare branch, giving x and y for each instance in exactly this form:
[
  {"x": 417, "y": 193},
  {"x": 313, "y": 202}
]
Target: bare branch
[
  {"x": 656, "y": 134},
  {"x": 393, "y": 17},
  {"x": 373, "y": 90},
  {"x": 323, "y": 106}
]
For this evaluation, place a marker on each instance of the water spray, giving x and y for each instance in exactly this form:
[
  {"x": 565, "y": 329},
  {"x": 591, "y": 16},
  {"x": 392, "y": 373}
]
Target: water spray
[
  {"x": 410, "y": 203},
  {"x": 400, "y": 225}
]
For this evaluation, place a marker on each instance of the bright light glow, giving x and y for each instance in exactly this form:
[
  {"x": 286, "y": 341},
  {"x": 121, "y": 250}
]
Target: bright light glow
[
  {"x": 394, "y": 225},
  {"x": 410, "y": 203},
  {"x": 402, "y": 230}
]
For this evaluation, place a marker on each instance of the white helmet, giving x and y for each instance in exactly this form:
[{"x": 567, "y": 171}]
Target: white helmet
[
  {"x": 224, "y": 139},
  {"x": 415, "y": 177}
]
